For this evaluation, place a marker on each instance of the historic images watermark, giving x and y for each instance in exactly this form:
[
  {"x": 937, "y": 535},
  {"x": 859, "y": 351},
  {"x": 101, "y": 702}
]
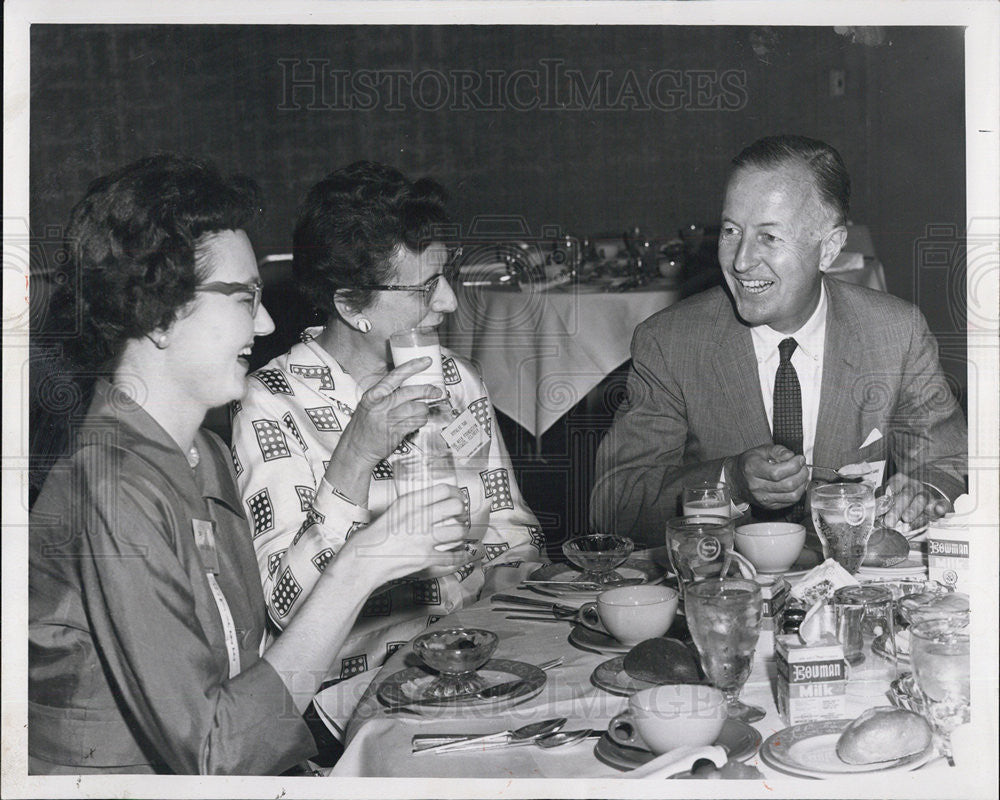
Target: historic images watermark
[{"x": 317, "y": 84}]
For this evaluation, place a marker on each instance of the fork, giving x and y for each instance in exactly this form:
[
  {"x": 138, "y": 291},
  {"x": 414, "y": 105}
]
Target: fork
[{"x": 514, "y": 599}]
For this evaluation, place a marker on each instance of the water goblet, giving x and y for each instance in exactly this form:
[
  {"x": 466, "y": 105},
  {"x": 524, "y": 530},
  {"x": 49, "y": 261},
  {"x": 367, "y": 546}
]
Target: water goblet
[
  {"x": 706, "y": 498},
  {"x": 843, "y": 515},
  {"x": 724, "y": 618},
  {"x": 939, "y": 653}
]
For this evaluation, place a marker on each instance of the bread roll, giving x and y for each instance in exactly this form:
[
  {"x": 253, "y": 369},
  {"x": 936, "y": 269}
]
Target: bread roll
[
  {"x": 883, "y": 734},
  {"x": 661, "y": 661},
  {"x": 886, "y": 548}
]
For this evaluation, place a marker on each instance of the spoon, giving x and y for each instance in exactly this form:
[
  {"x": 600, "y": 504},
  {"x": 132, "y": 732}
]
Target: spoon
[
  {"x": 444, "y": 744},
  {"x": 565, "y": 738},
  {"x": 546, "y": 741},
  {"x": 840, "y": 476}
]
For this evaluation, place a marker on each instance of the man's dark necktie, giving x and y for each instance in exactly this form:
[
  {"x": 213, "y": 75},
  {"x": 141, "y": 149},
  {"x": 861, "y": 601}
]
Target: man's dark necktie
[
  {"x": 787, "y": 427},
  {"x": 787, "y": 400}
]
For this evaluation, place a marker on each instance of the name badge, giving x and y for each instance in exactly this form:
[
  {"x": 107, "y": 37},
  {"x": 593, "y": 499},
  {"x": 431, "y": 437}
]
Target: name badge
[
  {"x": 204, "y": 539},
  {"x": 465, "y": 435}
]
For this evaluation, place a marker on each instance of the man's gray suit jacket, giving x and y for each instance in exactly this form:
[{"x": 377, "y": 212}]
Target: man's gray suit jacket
[{"x": 694, "y": 399}]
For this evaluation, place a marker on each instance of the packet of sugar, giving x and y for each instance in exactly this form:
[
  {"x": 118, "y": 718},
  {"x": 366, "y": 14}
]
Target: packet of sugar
[{"x": 819, "y": 584}]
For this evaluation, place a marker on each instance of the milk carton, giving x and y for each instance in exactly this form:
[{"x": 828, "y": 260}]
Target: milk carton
[
  {"x": 812, "y": 680},
  {"x": 948, "y": 554}
]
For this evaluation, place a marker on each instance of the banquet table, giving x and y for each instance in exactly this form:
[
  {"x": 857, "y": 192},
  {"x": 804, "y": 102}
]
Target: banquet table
[
  {"x": 568, "y": 692},
  {"x": 541, "y": 352}
]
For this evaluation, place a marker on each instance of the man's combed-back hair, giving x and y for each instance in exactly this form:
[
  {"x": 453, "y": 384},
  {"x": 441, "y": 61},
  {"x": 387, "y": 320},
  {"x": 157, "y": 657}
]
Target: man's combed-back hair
[
  {"x": 824, "y": 162},
  {"x": 132, "y": 242}
]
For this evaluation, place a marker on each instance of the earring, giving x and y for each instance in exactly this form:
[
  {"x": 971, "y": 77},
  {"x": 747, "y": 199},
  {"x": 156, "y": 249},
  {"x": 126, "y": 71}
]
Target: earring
[
  {"x": 159, "y": 339},
  {"x": 364, "y": 325}
]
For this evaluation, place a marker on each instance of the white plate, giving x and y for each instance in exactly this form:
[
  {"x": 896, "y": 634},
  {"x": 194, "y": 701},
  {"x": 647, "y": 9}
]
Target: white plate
[
  {"x": 809, "y": 750},
  {"x": 408, "y": 686},
  {"x": 913, "y": 566},
  {"x": 633, "y": 568}
]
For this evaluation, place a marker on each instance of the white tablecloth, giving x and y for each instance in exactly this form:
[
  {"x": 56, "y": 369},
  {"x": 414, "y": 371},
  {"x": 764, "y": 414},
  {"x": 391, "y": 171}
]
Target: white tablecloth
[
  {"x": 379, "y": 745},
  {"x": 542, "y": 352}
]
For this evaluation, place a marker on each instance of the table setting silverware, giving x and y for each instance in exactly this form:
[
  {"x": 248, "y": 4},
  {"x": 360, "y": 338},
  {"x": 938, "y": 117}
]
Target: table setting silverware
[
  {"x": 546, "y": 741},
  {"x": 513, "y": 599},
  {"x": 429, "y": 741},
  {"x": 588, "y": 586},
  {"x": 837, "y": 474}
]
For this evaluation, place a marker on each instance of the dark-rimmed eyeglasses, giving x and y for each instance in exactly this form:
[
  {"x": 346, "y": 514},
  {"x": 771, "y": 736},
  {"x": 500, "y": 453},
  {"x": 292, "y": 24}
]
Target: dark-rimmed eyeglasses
[
  {"x": 254, "y": 289},
  {"x": 426, "y": 289}
]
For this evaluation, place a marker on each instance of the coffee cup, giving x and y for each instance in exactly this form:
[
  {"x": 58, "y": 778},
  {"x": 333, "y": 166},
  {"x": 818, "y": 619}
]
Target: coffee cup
[
  {"x": 771, "y": 546},
  {"x": 667, "y": 717},
  {"x": 635, "y": 613}
]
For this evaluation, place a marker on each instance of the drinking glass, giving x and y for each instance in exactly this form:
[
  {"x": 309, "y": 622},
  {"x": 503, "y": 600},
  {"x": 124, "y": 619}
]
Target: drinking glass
[
  {"x": 708, "y": 498},
  {"x": 864, "y": 611},
  {"x": 939, "y": 653},
  {"x": 724, "y": 619},
  {"x": 418, "y": 343},
  {"x": 702, "y": 547},
  {"x": 843, "y": 515}
]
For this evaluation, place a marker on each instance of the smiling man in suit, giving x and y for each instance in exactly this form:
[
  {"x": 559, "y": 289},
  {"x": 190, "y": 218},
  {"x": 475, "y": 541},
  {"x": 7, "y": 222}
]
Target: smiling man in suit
[{"x": 781, "y": 368}]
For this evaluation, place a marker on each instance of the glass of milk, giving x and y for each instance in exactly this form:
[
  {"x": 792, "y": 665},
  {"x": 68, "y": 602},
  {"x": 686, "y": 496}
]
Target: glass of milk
[
  {"x": 708, "y": 498},
  {"x": 413, "y": 343}
]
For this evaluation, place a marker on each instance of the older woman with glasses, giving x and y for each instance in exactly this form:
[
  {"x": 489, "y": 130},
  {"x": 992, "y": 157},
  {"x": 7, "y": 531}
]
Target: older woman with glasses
[
  {"x": 323, "y": 427},
  {"x": 147, "y": 647}
]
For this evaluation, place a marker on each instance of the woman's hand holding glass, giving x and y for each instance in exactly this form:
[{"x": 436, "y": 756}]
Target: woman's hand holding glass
[
  {"x": 422, "y": 530},
  {"x": 385, "y": 414}
]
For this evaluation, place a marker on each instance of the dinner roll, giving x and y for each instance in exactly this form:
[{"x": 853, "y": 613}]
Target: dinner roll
[
  {"x": 883, "y": 734},
  {"x": 661, "y": 660},
  {"x": 886, "y": 548}
]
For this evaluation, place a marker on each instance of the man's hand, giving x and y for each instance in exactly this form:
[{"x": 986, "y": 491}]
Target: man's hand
[
  {"x": 770, "y": 475},
  {"x": 913, "y": 503}
]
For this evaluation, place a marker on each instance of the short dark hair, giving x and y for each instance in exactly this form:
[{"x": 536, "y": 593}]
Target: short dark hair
[
  {"x": 350, "y": 225},
  {"x": 827, "y": 167},
  {"x": 132, "y": 243}
]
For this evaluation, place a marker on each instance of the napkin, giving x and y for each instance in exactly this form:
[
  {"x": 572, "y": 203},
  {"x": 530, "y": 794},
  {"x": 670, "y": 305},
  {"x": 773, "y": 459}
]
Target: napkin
[{"x": 819, "y": 584}]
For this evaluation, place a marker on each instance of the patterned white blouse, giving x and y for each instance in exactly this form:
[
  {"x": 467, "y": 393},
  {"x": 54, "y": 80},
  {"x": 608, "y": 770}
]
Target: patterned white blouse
[{"x": 284, "y": 431}]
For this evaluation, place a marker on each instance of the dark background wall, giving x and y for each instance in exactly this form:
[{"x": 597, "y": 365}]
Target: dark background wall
[
  {"x": 268, "y": 101},
  {"x": 104, "y": 95}
]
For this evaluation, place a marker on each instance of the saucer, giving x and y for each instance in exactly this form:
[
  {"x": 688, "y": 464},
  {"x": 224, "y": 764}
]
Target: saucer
[
  {"x": 807, "y": 559},
  {"x": 611, "y": 676},
  {"x": 407, "y": 686},
  {"x": 589, "y": 639},
  {"x": 740, "y": 740}
]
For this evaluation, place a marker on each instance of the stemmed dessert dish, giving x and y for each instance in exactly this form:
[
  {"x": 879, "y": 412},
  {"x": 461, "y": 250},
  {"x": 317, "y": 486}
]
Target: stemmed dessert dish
[{"x": 598, "y": 555}]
